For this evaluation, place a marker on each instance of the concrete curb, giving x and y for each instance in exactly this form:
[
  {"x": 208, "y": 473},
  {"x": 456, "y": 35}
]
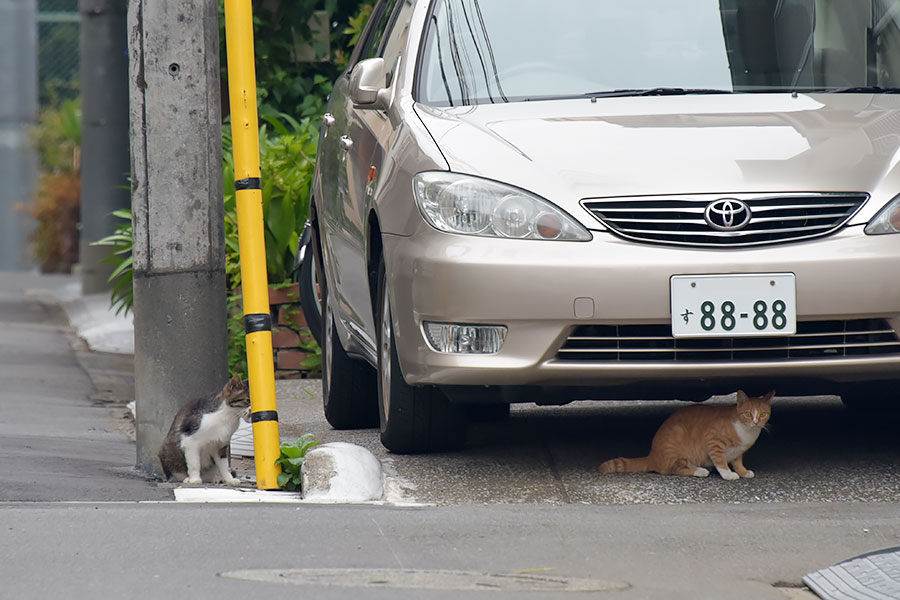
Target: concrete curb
[{"x": 341, "y": 472}]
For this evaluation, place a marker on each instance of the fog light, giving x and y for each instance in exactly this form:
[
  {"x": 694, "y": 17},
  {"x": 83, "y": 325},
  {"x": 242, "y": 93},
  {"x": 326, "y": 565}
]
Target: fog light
[{"x": 455, "y": 338}]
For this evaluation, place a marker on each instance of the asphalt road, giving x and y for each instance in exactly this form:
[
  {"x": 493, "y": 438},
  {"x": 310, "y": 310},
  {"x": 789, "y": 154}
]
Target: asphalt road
[
  {"x": 521, "y": 508},
  {"x": 815, "y": 450},
  {"x": 699, "y": 552}
]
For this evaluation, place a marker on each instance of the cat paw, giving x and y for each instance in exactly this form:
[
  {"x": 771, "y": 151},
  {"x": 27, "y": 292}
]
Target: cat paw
[
  {"x": 729, "y": 475},
  {"x": 701, "y": 472},
  {"x": 233, "y": 481},
  {"x": 193, "y": 480},
  {"x": 748, "y": 474}
]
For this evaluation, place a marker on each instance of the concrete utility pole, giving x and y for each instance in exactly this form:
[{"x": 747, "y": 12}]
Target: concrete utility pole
[
  {"x": 18, "y": 109},
  {"x": 179, "y": 247},
  {"x": 104, "y": 137}
]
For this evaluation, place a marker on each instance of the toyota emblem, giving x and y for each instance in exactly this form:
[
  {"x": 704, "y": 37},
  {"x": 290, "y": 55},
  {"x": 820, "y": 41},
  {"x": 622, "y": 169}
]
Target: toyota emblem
[{"x": 727, "y": 214}]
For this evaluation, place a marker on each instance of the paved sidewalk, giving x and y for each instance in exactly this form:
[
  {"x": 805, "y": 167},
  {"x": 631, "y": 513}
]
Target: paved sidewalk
[
  {"x": 102, "y": 344},
  {"x": 61, "y": 434}
]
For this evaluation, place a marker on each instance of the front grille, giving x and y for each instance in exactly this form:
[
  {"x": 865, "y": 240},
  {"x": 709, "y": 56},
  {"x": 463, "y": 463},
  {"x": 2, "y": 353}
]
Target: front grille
[
  {"x": 680, "y": 220},
  {"x": 813, "y": 340}
]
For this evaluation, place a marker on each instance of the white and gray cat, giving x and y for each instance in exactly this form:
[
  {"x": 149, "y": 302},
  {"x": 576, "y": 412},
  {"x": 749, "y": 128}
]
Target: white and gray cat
[{"x": 195, "y": 448}]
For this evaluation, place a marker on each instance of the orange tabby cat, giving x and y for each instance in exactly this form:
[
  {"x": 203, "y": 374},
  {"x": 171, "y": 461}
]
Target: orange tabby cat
[{"x": 701, "y": 436}]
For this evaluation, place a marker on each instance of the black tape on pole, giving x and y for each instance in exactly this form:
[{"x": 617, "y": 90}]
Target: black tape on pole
[
  {"x": 249, "y": 183},
  {"x": 264, "y": 415},
  {"x": 257, "y": 322}
]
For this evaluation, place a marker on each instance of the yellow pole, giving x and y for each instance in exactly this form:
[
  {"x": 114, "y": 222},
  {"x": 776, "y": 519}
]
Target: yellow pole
[{"x": 257, "y": 319}]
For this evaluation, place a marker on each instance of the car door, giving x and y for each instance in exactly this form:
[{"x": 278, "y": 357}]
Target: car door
[{"x": 351, "y": 141}]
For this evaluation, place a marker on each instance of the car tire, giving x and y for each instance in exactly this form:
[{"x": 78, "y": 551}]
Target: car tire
[
  {"x": 310, "y": 298},
  {"x": 348, "y": 385},
  {"x": 413, "y": 419}
]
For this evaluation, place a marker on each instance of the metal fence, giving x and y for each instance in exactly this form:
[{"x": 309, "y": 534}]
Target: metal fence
[{"x": 58, "y": 33}]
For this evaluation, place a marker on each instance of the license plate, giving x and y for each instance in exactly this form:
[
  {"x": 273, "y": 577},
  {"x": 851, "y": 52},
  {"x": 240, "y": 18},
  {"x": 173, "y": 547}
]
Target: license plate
[{"x": 760, "y": 304}]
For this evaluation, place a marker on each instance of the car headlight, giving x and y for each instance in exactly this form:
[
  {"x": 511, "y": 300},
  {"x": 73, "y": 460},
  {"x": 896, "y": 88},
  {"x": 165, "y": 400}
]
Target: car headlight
[
  {"x": 474, "y": 206},
  {"x": 887, "y": 221}
]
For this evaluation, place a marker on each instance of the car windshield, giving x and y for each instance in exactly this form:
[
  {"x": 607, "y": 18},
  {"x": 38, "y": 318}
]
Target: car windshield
[{"x": 490, "y": 51}]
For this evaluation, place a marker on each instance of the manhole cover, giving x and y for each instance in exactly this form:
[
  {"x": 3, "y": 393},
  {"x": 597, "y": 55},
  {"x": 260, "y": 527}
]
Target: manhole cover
[
  {"x": 425, "y": 579},
  {"x": 874, "y": 576}
]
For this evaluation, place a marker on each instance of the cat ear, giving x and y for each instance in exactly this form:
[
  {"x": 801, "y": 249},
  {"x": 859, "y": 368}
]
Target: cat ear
[
  {"x": 235, "y": 384},
  {"x": 742, "y": 397},
  {"x": 768, "y": 397}
]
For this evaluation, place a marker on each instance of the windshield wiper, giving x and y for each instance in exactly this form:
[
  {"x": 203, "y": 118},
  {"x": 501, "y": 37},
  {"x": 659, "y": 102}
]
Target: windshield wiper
[
  {"x": 622, "y": 93},
  {"x": 657, "y": 91},
  {"x": 863, "y": 89}
]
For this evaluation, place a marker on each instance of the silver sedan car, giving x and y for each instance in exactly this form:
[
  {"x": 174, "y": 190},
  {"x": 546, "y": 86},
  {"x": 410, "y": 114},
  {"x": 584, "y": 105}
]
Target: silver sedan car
[{"x": 597, "y": 199}]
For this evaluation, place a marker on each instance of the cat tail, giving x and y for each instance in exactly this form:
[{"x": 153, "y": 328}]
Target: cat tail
[{"x": 626, "y": 465}]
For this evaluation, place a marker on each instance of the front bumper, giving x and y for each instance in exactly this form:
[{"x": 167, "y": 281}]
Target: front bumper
[{"x": 539, "y": 291}]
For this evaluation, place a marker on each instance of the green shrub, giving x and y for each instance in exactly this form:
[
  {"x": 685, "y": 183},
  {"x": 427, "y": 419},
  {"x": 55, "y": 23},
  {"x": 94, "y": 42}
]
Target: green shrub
[
  {"x": 286, "y": 82},
  {"x": 121, "y": 279},
  {"x": 287, "y": 151},
  {"x": 292, "y": 456},
  {"x": 57, "y": 137},
  {"x": 57, "y": 202}
]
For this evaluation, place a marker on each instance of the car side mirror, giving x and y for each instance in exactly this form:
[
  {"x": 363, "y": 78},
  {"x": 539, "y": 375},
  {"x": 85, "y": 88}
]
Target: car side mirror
[{"x": 368, "y": 84}]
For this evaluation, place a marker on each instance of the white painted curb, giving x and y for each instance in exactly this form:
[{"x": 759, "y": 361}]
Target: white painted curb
[
  {"x": 341, "y": 472},
  {"x": 226, "y": 495}
]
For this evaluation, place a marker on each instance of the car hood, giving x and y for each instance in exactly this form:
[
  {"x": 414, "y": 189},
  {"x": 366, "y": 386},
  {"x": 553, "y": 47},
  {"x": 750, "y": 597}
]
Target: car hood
[{"x": 567, "y": 150}]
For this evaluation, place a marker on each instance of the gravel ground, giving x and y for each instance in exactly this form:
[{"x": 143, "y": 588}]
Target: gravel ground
[{"x": 814, "y": 451}]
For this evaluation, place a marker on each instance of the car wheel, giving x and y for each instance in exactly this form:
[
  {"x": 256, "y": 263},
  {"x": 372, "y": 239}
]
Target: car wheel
[
  {"x": 310, "y": 292},
  {"x": 348, "y": 385},
  {"x": 413, "y": 418}
]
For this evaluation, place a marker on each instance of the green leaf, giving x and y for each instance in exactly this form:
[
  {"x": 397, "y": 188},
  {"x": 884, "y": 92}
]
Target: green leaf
[
  {"x": 267, "y": 189},
  {"x": 307, "y": 446},
  {"x": 292, "y": 121},
  {"x": 282, "y": 479},
  {"x": 125, "y": 264},
  {"x": 290, "y": 450},
  {"x": 276, "y": 124},
  {"x": 280, "y": 222}
]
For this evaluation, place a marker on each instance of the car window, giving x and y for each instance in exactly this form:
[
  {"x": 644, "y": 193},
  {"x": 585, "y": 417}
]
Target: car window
[
  {"x": 380, "y": 20},
  {"x": 481, "y": 51},
  {"x": 395, "y": 37}
]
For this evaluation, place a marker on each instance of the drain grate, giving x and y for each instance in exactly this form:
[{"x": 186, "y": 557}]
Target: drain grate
[{"x": 874, "y": 576}]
